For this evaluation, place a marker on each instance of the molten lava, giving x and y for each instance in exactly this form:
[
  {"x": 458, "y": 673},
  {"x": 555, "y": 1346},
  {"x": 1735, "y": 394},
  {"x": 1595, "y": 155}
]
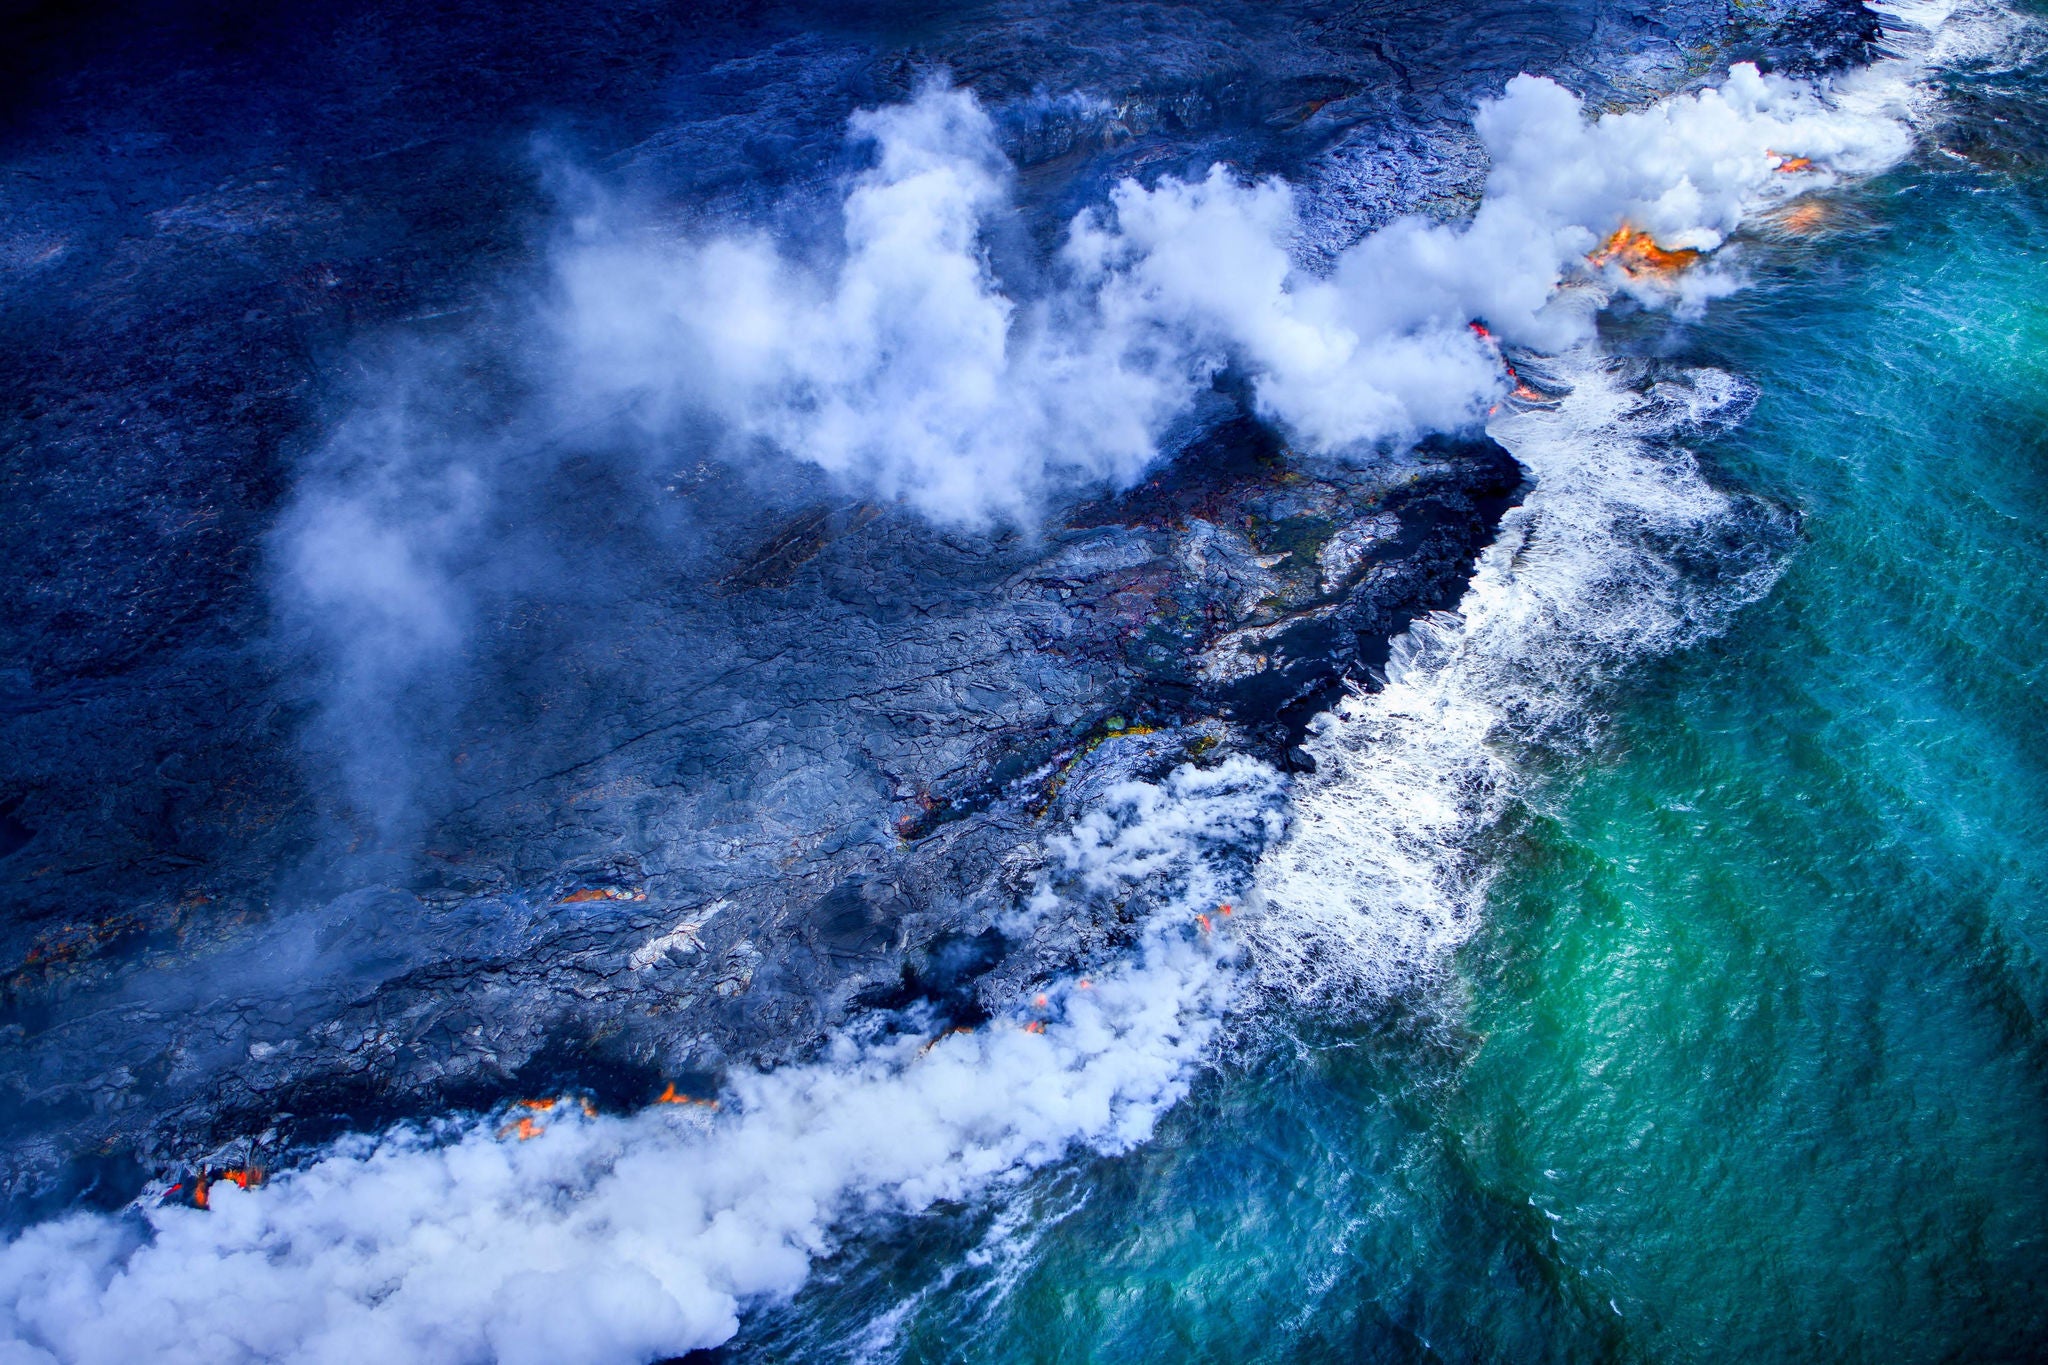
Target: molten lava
[
  {"x": 1786, "y": 165},
  {"x": 1637, "y": 253},
  {"x": 239, "y": 1177},
  {"x": 951, "y": 1032},
  {"x": 671, "y": 1095}
]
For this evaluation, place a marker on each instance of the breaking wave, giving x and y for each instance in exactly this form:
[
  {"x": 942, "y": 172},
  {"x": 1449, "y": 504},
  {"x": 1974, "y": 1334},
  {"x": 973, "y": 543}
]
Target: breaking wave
[{"x": 1620, "y": 550}]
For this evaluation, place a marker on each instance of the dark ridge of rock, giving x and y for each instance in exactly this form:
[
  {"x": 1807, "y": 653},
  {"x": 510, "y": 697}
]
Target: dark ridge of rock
[
  {"x": 775, "y": 562},
  {"x": 783, "y": 755}
]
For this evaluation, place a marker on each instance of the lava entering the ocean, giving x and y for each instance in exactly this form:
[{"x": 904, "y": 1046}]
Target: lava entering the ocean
[
  {"x": 1637, "y": 253},
  {"x": 238, "y": 1176}
]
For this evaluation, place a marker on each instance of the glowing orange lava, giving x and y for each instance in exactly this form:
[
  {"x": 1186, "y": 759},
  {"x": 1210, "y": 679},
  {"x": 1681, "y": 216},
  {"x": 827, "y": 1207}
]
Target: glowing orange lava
[
  {"x": 1637, "y": 253},
  {"x": 920, "y": 1052},
  {"x": 1786, "y": 165},
  {"x": 671, "y": 1095},
  {"x": 239, "y": 1177}
]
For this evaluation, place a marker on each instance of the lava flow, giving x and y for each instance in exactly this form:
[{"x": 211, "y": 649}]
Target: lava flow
[
  {"x": 1637, "y": 253},
  {"x": 604, "y": 893},
  {"x": 671, "y": 1095},
  {"x": 240, "y": 1177},
  {"x": 1522, "y": 391}
]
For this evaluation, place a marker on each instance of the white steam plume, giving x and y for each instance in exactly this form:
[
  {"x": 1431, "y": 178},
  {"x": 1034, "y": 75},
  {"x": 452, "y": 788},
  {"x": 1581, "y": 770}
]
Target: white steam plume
[
  {"x": 905, "y": 367},
  {"x": 1381, "y": 876},
  {"x": 366, "y": 544}
]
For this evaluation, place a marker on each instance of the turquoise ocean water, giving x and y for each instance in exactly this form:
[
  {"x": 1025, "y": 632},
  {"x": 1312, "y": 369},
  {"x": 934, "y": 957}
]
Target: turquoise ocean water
[{"x": 1749, "y": 1060}]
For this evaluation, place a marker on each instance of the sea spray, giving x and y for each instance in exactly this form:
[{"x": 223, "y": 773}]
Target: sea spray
[{"x": 1620, "y": 551}]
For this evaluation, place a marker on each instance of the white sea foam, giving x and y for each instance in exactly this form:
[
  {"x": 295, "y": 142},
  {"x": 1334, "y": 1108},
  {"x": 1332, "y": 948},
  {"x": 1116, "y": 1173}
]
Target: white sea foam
[
  {"x": 1921, "y": 38},
  {"x": 624, "y": 1238},
  {"x": 1380, "y": 877}
]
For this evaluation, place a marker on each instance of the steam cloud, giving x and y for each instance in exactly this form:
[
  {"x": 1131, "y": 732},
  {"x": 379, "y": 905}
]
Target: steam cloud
[{"x": 904, "y": 366}]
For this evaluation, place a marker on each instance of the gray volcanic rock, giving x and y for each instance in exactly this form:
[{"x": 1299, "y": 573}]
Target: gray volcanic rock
[
  {"x": 741, "y": 753},
  {"x": 846, "y": 759}
]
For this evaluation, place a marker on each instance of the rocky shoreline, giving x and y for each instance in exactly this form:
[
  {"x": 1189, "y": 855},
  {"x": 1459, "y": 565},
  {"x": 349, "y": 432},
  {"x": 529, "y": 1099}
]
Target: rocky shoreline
[{"x": 774, "y": 756}]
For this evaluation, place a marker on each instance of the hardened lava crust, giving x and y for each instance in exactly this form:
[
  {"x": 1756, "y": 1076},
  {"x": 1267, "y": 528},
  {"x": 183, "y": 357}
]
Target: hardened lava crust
[{"x": 734, "y": 755}]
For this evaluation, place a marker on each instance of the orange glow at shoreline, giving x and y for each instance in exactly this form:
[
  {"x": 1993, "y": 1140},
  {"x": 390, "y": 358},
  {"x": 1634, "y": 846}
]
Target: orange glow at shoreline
[
  {"x": 671, "y": 1095},
  {"x": 1637, "y": 253},
  {"x": 239, "y": 1177}
]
